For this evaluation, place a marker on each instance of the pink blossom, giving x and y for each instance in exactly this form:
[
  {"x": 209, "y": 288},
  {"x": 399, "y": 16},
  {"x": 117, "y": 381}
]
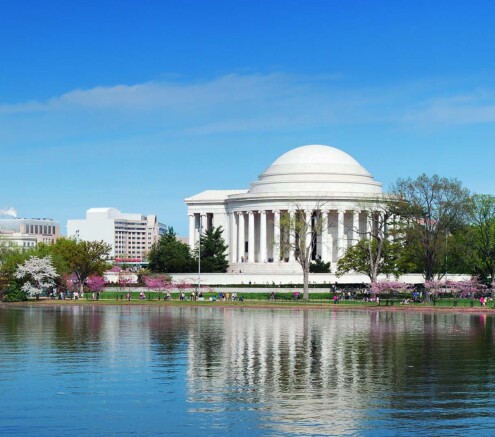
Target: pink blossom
[
  {"x": 95, "y": 283},
  {"x": 390, "y": 287},
  {"x": 158, "y": 282}
]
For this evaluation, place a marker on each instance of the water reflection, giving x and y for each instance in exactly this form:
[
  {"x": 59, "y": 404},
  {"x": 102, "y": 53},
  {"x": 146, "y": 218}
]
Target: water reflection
[
  {"x": 345, "y": 372},
  {"x": 246, "y": 371}
]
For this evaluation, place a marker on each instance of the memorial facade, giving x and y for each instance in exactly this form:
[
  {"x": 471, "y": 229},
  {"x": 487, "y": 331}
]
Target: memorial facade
[{"x": 314, "y": 180}]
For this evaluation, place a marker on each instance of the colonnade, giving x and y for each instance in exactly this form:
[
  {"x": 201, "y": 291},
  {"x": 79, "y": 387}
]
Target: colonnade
[{"x": 257, "y": 236}]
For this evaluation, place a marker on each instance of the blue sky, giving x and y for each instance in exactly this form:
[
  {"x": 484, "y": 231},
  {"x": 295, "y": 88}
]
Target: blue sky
[{"x": 138, "y": 104}]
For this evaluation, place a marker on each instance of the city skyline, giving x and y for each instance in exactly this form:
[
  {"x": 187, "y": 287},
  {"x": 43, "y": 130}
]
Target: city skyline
[{"x": 140, "y": 106}]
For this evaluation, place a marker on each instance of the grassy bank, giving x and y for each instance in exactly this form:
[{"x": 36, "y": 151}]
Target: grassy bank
[{"x": 281, "y": 299}]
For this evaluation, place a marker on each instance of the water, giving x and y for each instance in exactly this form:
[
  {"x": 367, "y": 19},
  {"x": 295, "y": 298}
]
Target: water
[{"x": 131, "y": 370}]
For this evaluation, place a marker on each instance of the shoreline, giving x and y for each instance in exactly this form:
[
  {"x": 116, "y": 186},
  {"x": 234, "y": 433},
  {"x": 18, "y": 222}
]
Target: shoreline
[{"x": 251, "y": 305}]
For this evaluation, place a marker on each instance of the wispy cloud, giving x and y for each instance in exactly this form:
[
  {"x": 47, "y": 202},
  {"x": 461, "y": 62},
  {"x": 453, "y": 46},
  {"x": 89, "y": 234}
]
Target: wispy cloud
[
  {"x": 241, "y": 103},
  {"x": 475, "y": 107}
]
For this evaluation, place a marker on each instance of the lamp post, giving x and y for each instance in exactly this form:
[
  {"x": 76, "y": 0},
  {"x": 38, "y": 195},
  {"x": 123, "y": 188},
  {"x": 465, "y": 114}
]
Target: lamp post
[{"x": 199, "y": 251}]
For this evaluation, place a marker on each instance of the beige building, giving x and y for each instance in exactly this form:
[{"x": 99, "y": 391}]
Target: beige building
[
  {"x": 29, "y": 232},
  {"x": 130, "y": 235}
]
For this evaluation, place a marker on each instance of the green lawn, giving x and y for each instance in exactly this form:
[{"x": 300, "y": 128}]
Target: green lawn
[{"x": 281, "y": 298}]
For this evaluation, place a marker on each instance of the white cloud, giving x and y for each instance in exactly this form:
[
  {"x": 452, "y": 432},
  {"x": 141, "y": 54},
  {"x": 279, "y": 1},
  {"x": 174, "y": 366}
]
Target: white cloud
[
  {"x": 475, "y": 107},
  {"x": 243, "y": 103}
]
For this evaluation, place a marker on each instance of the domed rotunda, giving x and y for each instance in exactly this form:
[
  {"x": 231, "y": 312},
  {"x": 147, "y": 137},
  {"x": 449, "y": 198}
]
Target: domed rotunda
[{"x": 315, "y": 179}]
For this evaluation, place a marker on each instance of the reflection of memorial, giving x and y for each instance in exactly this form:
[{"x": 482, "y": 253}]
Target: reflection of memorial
[
  {"x": 301, "y": 367},
  {"x": 269, "y": 356}
]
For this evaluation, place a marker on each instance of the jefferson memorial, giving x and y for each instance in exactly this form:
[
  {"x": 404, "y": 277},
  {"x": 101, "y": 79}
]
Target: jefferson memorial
[{"x": 312, "y": 180}]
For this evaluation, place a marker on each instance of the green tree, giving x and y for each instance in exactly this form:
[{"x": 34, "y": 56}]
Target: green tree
[
  {"x": 319, "y": 266},
  {"x": 432, "y": 209},
  {"x": 213, "y": 251},
  {"x": 482, "y": 217},
  {"x": 372, "y": 258},
  {"x": 83, "y": 258},
  {"x": 169, "y": 255},
  {"x": 11, "y": 256},
  {"x": 382, "y": 247}
]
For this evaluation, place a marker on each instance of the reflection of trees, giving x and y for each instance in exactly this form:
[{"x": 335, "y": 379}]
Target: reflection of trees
[
  {"x": 168, "y": 330},
  {"x": 70, "y": 328}
]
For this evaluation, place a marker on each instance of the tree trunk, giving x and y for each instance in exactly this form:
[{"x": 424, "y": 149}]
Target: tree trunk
[
  {"x": 306, "y": 282},
  {"x": 81, "y": 287}
]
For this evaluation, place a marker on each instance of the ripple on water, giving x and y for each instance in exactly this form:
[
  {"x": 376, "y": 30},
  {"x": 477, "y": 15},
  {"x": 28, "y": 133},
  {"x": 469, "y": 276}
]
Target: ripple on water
[{"x": 196, "y": 371}]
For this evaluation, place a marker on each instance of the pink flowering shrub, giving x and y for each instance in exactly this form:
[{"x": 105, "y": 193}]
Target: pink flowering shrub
[
  {"x": 95, "y": 283},
  {"x": 158, "y": 282},
  {"x": 467, "y": 288},
  {"x": 391, "y": 287}
]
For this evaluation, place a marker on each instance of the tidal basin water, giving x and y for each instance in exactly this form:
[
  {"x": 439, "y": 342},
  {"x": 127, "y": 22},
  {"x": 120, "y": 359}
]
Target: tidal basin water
[{"x": 142, "y": 370}]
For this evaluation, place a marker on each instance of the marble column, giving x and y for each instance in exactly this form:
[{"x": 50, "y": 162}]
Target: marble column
[
  {"x": 391, "y": 228},
  {"x": 292, "y": 236},
  {"x": 355, "y": 227},
  {"x": 324, "y": 236},
  {"x": 276, "y": 236},
  {"x": 369, "y": 224},
  {"x": 380, "y": 224},
  {"x": 340, "y": 233},
  {"x": 251, "y": 236},
  {"x": 240, "y": 245},
  {"x": 233, "y": 238},
  {"x": 262, "y": 237},
  {"x": 191, "y": 231},
  {"x": 309, "y": 226}
]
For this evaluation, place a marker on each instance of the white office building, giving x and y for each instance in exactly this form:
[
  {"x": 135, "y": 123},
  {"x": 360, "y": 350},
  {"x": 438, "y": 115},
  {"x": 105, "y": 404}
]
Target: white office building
[{"x": 130, "y": 235}]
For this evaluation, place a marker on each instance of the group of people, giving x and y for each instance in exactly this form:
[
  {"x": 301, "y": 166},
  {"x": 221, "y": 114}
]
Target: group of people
[{"x": 226, "y": 296}]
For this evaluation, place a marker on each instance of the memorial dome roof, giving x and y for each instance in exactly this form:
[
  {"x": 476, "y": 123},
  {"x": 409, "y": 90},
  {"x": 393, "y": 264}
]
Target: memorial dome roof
[{"x": 316, "y": 169}]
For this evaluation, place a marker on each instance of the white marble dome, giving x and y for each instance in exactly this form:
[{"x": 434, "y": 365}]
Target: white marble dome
[{"x": 315, "y": 169}]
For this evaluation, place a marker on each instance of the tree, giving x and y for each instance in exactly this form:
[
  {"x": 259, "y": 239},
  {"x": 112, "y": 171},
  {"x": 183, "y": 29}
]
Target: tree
[
  {"x": 468, "y": 288},
  {"x": 482, "y": 216},
  {"x": 96, "y": 283},
  {"x": 157, "y": 282},
  {"x": 38, "y": 274},
  {"x": 319, "y": 266},
  {"x": 83, "y": 258},
  {"x": 390, "y": 287},
  {"x": 11, "y": 256},
  {"x": 169, "y": 255},
  {"x": 299, "y": 232},
  {"x": 213, "y": 251},
  {"x": 380, "y": 251},
  {"x": 372, "y": 258},
  {"x": 433, "y": 208}
]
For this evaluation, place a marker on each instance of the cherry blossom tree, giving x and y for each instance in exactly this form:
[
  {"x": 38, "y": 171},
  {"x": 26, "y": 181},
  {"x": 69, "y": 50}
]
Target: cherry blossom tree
[
  {"x": 95, "y": 283},
  {"x": 125, "y": 279},
  {"x": 158, "y": 283},
  {"x": 38, "y": 274},
  {"x": 390, "y": 287},
  {"x": 466, "y": 288}
]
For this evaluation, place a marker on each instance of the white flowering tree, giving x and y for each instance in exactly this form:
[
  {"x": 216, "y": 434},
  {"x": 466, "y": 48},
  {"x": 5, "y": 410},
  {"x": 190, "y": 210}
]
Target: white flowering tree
[{"x": 38, "y": 274}]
